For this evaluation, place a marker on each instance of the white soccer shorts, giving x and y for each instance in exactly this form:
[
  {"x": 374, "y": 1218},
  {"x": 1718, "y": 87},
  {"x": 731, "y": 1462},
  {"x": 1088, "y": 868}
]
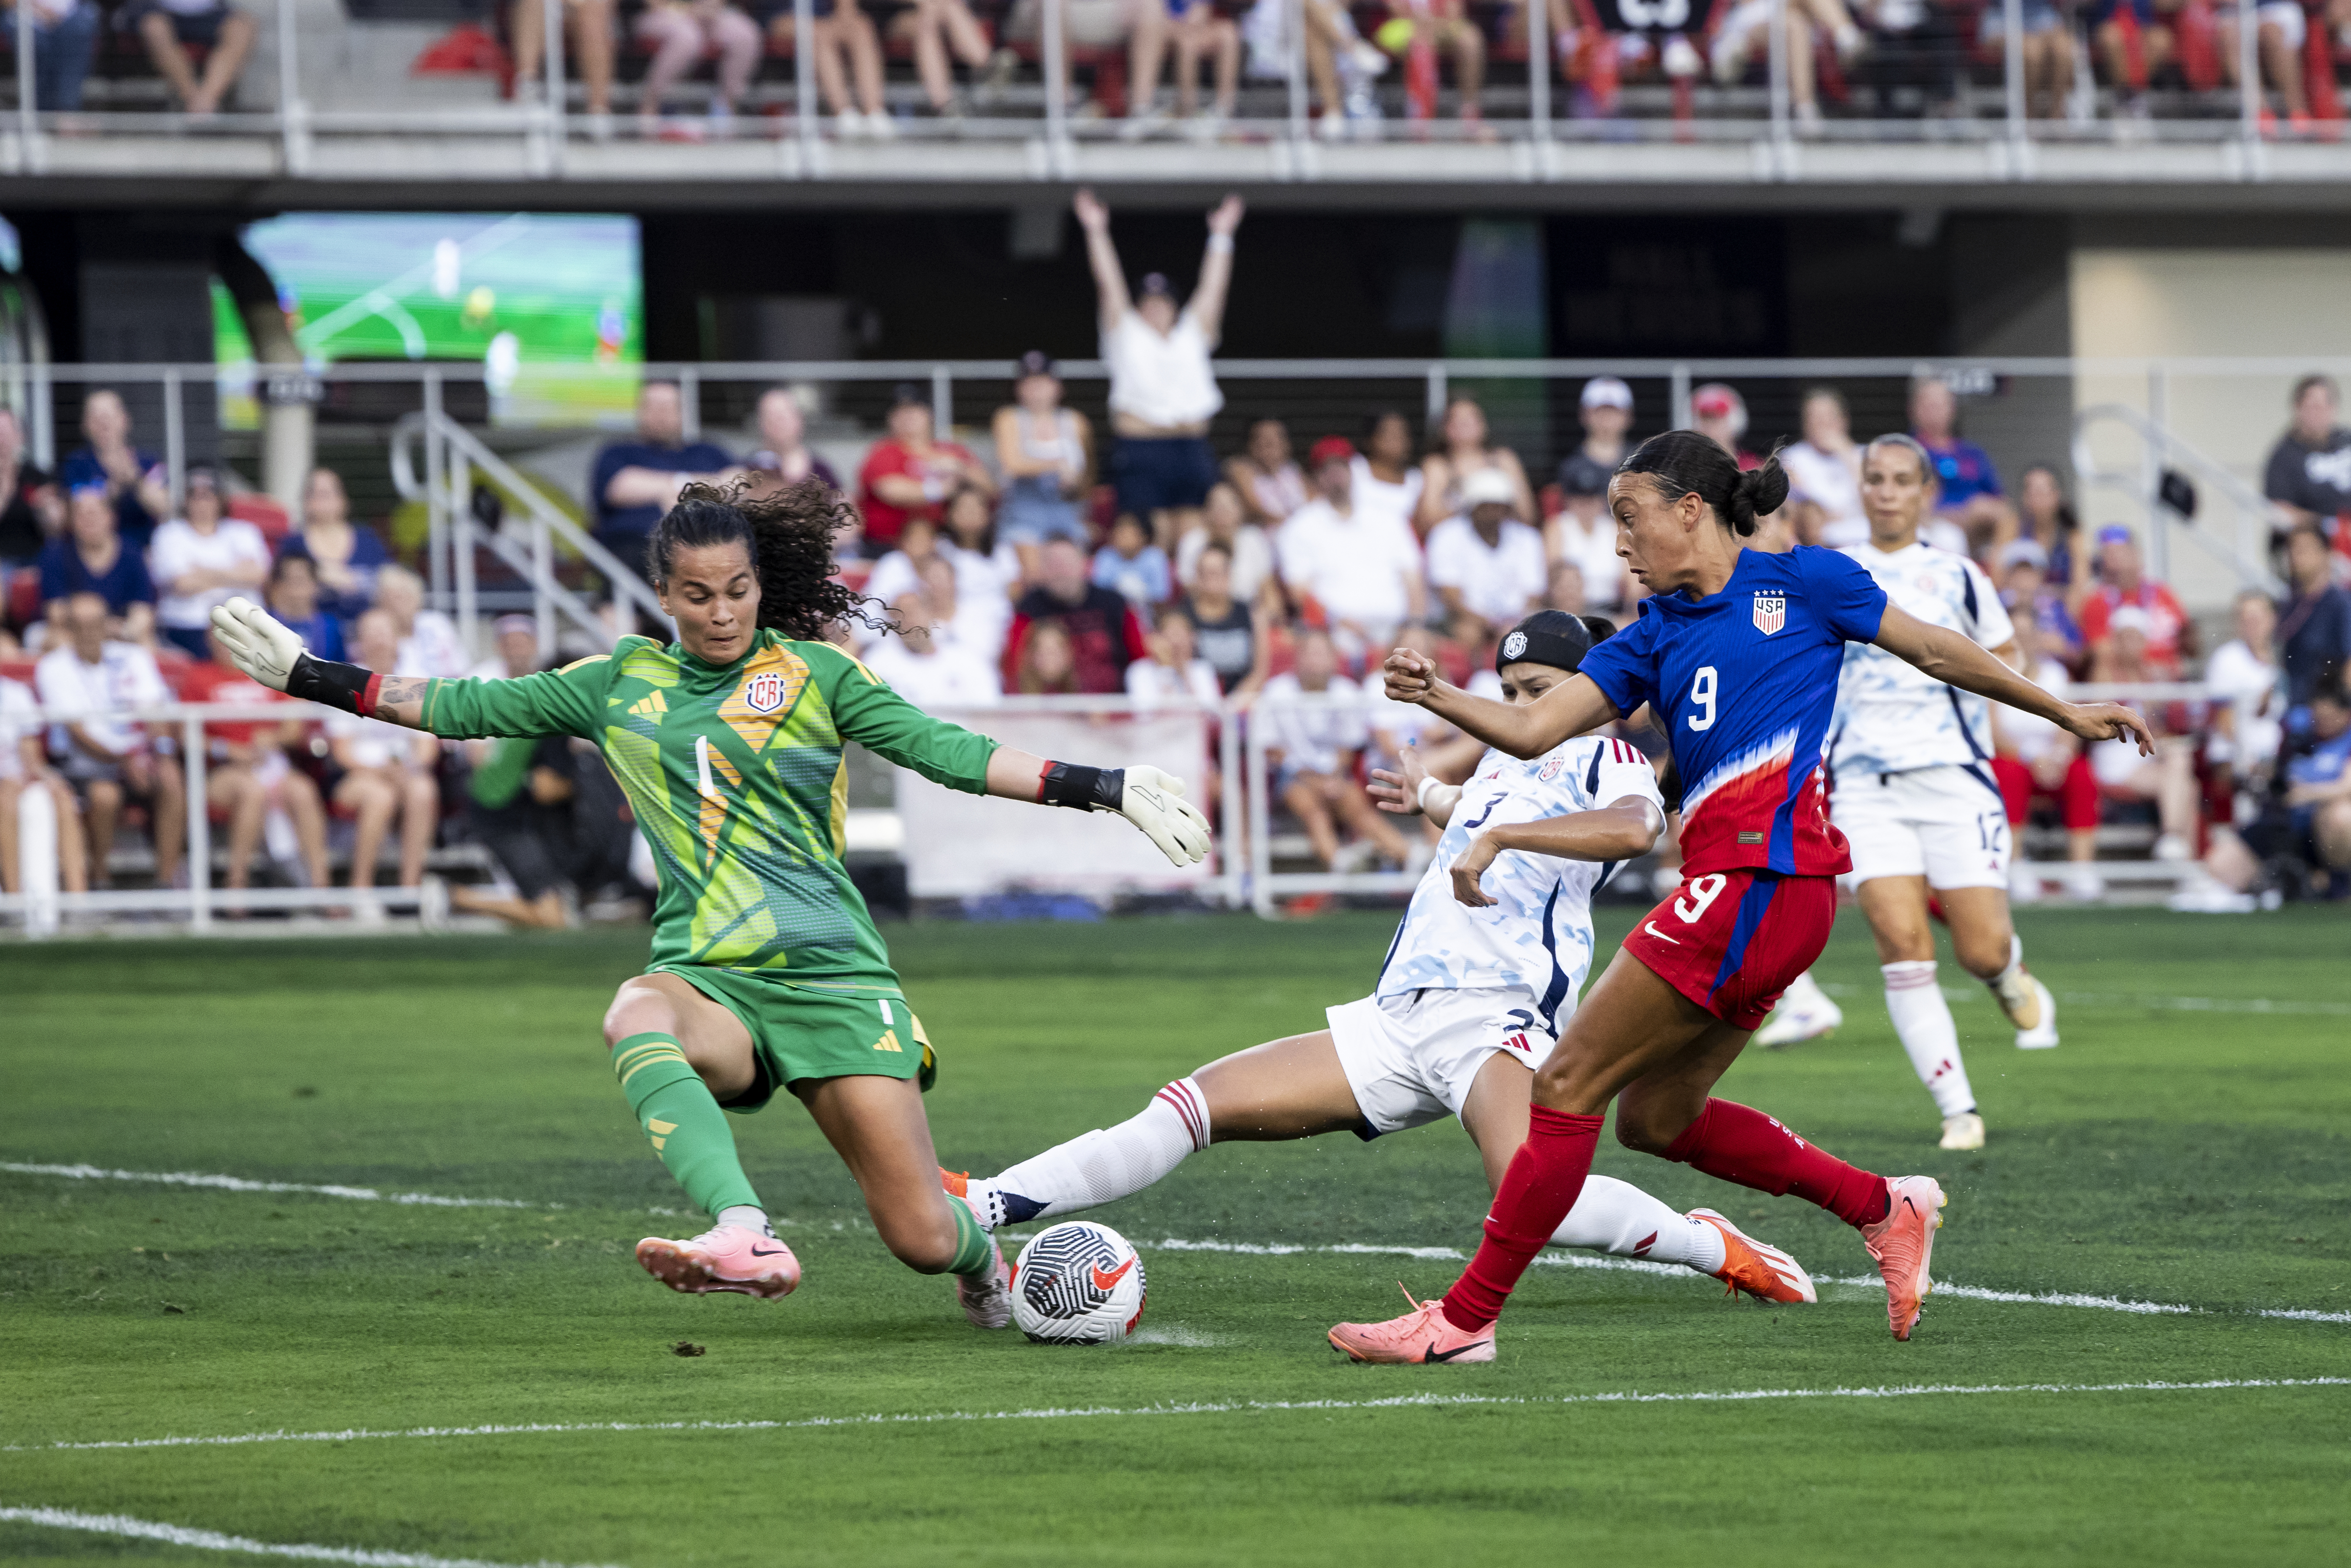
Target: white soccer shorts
[
  {"x": 1946, "y": 824},
  {"x": 1411, "y": 1059}
]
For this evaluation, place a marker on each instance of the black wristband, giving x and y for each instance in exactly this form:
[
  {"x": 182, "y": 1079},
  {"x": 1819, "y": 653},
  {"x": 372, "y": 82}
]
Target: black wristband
[
  {"x": 1081, "y": 788},
  {"x": 346, "y": 686}
]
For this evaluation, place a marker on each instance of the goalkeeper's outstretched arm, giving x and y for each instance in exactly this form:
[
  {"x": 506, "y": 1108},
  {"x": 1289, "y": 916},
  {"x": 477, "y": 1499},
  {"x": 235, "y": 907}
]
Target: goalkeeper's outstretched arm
[{"x": 1150, "y": 798}]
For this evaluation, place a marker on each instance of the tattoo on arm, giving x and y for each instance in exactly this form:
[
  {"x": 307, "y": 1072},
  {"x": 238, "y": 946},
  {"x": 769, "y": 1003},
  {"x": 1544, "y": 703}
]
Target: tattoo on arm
[{"x": 401, "y": 700}]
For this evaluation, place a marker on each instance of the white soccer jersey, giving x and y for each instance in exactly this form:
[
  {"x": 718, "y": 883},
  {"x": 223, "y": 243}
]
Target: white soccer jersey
[
  {"x": 1536, "y": 937},
  {"x": 1891, "y": 716}
]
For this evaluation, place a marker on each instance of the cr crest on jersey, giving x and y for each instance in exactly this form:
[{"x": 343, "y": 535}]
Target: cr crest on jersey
[
  {"x": 1514, "y": 646},
  {"x": 1770, "y": 612},
  {"x": 764, "y": 693}
]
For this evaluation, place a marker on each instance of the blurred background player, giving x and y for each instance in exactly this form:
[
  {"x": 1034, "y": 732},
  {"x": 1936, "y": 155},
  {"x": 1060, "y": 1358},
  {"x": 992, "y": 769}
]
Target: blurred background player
[
  {"x": 1485, "y": 966},
  {"x": 1917, "y": 799}
]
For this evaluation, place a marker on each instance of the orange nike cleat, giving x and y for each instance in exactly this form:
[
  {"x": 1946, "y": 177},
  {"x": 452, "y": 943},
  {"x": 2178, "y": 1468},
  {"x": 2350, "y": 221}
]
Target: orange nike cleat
[
  {"x": 1422, "y": 1334},
  {"x": 726, "y": 1258},
  {"x": 957, "y": 1182},
  {"x": 1764, "y": 1272},
  {"x": 1903, "y": 1243}
]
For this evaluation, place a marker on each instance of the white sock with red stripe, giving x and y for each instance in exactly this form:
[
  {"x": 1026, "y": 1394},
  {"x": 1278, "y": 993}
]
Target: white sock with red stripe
[
  {"x": 1100, "y": 1166},
  {"x": 1922, "y": 1019},
  {"x": 1620, "y": 1220}
]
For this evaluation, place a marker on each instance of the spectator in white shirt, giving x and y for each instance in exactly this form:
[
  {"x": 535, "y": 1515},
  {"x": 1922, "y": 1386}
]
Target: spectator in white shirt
[
  {"x": 1162, "y": 391},
  {"x": 24, "y": 765},
  {"x": 1604, "y": 409},
  {"x": 2247, "y": 720},
  {"x": 1362, "y": 569},
  {"x": 1249, "y": 549},
  {"x": 933, "y": 673},
  {"x": 1583, "y": 535},
  {"x": 198, "y": 560},
  {"x": 106, "y": 757},
  {"x": 1174, "y": 670},
  {"x": 1824, "y": 474},
  {"x": 897, "y": 573},
  {"x": 1388, "y": 481},
  {"x": 986, "y": 571},
  {"x": 1484, "y": 561},
  {"x": 1314, "y": 750},
  {"x": 516, "y": 640},
  {"x": 429, "y": 643},
  {"x": 387, "y": 771}
]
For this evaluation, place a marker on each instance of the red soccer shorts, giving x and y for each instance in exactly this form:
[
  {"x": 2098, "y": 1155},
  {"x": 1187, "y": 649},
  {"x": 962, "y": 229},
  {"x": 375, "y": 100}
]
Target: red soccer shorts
[{"x": 1731, "y": 941}]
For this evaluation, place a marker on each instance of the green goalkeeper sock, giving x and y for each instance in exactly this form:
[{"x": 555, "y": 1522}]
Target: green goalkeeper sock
[
  {"x": 688, "y": 1130},
  {"x": 975, "y": 1249}
]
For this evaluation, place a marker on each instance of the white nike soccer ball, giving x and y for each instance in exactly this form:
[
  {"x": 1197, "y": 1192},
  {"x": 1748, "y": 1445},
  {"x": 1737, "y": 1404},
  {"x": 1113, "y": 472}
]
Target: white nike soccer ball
[{"x": 1078, "y": 1283}]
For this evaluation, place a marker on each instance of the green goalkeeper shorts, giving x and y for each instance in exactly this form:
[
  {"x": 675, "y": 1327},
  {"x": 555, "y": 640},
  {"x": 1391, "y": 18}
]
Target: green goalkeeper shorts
[{"x": 802, "y": 1032}]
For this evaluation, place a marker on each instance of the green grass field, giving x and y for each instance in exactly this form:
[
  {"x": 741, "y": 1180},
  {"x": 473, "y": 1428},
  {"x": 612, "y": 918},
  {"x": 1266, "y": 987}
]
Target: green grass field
[{"x": 2185, "y": 1146}]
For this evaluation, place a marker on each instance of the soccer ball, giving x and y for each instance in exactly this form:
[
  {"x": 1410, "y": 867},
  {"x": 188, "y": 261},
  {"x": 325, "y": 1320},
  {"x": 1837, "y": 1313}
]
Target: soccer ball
[{"x": 1078, "y": 1283}]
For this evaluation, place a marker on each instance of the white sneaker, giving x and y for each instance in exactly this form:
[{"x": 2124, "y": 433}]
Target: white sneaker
[
  {"x": 2172, "y": 847},
  {"x": 2024, "y": 881},
  {"x": 1331, "y": 126},
  {"x": 2041, "y": 1036},
  {"x": 881, "y": 127},
  {"x": 1367, "y": 59},
  {"x": 2082, "y": 881},
  {"x": 849, "y": 125},
  {"x": 1964, "y": 1131},
  {"x": 1805, "y": 1013}
]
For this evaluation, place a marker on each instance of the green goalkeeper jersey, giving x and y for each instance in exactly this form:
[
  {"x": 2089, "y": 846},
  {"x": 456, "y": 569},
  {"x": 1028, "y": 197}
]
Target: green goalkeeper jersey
[{"x": 737, "y": 779}]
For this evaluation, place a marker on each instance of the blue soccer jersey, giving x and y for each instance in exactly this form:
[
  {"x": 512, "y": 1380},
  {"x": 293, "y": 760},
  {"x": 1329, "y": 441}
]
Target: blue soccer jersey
[{"x": 1744, "y": 682}]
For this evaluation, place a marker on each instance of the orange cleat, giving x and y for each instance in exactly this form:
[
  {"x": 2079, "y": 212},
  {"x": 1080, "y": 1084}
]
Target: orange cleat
[
  {"x": 1422, "y": 1334},
  {"x": 1764, "y": 1272},
  {"x": 726, "y": 1258},
  {"x": 957, "y": 1182},
  {"x": 1903, "y": 1243}
]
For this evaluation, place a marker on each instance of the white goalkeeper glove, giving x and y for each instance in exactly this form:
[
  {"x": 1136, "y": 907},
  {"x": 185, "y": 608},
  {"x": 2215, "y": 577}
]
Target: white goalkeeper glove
[
  {"x": 1153, "y": 802},
  {"x": 256, "y": 641}
]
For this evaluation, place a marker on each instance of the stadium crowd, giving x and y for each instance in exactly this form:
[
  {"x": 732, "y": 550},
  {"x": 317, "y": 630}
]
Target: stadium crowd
[
  {"x": 1858, "y": 58},
  {"x": 1132, "y": 559}
]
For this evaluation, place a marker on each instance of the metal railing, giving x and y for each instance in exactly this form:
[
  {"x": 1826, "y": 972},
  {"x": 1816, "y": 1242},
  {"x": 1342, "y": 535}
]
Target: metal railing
[
  {"x": 1776, "y": 120},
  {"x": 446, "y": 485},
  {"x": 2254, "y": 519},
  {"x": 1244, "y": 874}
]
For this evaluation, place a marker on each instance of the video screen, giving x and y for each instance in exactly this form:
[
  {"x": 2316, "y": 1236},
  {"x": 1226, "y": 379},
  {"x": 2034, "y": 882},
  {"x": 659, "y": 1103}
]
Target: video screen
[{"x": 552, "y": 305}]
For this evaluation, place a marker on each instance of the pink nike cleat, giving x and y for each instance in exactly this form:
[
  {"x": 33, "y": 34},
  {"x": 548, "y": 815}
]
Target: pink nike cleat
[
  {"x": 1903, "y": 1243},
  {"x": 1764, "y": 1272},
  {"x": 988, "y": 1303},
  {"x": 724, "y": 1257},
  {"x": 1422, "y": 1334}
]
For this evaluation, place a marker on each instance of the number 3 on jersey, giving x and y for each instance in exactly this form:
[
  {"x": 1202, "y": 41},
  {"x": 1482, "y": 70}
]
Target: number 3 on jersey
[{"x": 1702, "y": 694}]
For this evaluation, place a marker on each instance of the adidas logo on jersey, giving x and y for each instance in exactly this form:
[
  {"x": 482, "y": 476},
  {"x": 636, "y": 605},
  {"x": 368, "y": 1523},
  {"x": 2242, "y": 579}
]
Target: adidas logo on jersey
[
  {"x": 650, "y": 707},
  {"x": 889, "y": 1041}
]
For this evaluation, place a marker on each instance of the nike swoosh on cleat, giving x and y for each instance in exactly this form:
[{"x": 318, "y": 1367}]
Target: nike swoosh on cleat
[
  {"x": 1651, "y": 927},
  {"x": 768, "y": 1253},
  {"x": 1104, "y": 1281},
  {"x": 1433, "y": 1353}
]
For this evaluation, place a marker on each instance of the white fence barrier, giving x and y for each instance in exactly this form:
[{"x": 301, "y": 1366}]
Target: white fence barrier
[{"x": 954, "y": 845}]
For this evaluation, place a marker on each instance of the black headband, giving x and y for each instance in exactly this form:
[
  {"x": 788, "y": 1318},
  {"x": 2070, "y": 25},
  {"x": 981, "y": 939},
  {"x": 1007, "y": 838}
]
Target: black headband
[{"x": 1551, "y": 637}]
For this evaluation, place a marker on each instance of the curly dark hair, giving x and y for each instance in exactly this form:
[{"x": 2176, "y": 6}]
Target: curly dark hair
[{"x": 789, "y": 535}]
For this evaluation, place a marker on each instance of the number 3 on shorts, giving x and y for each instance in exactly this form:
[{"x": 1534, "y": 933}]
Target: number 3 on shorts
[{"x": 1701, "y": 891}]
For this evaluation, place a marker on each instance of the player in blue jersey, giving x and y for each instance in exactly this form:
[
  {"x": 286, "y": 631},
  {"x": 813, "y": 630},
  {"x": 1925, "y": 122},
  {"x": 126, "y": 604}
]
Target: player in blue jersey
[
  {"x": 1737, "y": 655},
  {"x": 1484, "y": 967}
]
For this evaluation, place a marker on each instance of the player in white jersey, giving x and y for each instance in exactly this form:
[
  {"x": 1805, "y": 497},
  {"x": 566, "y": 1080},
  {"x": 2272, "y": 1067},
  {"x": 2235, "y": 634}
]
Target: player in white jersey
[
  {"x": 1913, "y": 793},
  {"x": 1484, "y": 970}
]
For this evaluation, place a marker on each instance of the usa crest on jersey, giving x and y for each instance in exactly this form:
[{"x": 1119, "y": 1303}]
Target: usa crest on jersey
[
  {"x": 1770, "y": 612},
  {"x": 764, "y": 692}
]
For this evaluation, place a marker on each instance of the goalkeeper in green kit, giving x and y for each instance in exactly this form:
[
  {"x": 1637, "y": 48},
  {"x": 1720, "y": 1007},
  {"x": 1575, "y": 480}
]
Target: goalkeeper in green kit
[{"x": 767, "y": 972}]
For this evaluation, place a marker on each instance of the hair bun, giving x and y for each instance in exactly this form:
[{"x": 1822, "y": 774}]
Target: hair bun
[{"x": 1758, "y": 493}]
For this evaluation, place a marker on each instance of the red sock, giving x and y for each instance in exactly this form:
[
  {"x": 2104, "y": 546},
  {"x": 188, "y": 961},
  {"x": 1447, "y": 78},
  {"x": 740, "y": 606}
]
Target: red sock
[
  {"x": 1743, "y": 1145},
  {"x": 1540, "y": 1187}
]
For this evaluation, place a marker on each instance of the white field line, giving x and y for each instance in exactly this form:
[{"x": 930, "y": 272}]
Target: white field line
[
  {"x": 238, "y": 1184},
  {"x": 122, "y": 1525},
  {"x": 1643, "y": 1266},
  {"x": 1201, "y": 1407},
  {"x": 1246, "y": 1248},
  {"x": 2260, "y": 1005}
]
